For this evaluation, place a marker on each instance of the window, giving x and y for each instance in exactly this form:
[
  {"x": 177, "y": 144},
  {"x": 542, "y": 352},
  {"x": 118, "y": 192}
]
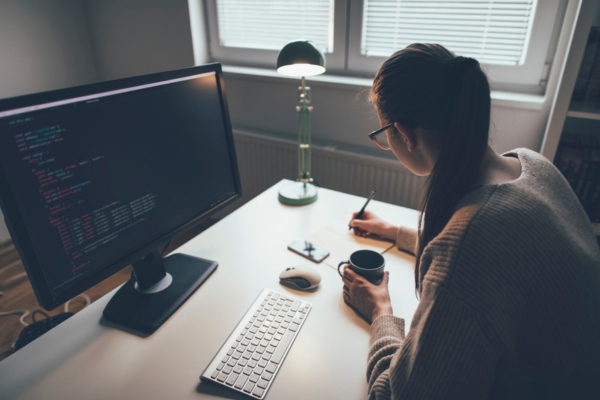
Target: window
[
  {"x": 512, "y": 38},
  {"x": 251, "y": 32}
]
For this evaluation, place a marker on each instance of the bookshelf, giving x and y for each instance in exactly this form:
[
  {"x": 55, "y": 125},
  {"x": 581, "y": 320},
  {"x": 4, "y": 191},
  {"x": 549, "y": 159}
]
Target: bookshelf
[{"x": 572, "y": 138}]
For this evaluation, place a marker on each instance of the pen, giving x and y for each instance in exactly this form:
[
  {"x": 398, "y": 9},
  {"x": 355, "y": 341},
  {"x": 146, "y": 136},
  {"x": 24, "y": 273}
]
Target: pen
[{"x": 362, "y": 210}]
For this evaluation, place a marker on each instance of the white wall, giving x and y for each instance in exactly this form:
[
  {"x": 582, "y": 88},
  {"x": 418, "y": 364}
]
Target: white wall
[
  {"x": 44, "y": 45},
  {"x": 342, "y": 115},
  {"x": 136, "y": 37}
]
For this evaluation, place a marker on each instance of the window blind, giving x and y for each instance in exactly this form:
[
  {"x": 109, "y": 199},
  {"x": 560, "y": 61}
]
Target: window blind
[
  {"x": 270, "y": 24},
  {"x": 492, "y": 31}
]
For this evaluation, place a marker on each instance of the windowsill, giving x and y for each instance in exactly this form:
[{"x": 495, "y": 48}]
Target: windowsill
[{"x": 499, "y": 98}]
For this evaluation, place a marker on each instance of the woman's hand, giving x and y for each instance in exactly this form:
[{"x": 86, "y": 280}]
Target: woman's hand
[
  {"x": 371, "y": 224},
  {"x": 368, "y": 299}
]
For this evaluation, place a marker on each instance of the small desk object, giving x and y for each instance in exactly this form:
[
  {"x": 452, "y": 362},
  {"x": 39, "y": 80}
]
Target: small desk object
[{"x": 85, "y": 358}]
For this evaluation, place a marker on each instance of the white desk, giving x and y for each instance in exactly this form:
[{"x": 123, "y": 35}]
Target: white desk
[{"x": 83, "y": 359}]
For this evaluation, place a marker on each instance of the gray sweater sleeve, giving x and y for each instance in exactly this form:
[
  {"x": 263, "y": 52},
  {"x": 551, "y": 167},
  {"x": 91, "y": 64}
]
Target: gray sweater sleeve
[
  {"x": 406, "y": 239},
  {"x": 446, "y": 355}
]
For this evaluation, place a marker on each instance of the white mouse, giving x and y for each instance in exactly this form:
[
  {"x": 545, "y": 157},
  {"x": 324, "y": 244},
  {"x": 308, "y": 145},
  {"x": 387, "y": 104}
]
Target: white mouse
[{"x": 303, "y": 277}]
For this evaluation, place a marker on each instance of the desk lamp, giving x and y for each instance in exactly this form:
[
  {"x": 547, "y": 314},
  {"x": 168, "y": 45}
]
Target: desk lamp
[{"x": 301, "y": 58}]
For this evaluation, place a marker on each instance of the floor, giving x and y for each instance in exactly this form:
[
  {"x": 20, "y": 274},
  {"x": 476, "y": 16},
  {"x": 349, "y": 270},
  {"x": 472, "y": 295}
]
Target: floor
[{"x": 16, "y": 293}]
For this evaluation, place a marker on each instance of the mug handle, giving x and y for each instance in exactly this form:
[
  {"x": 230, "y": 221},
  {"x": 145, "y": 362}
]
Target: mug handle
[{"x": 340, "y": 264}]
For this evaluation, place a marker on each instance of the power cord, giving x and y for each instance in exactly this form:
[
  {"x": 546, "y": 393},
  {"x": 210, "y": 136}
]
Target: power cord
[{"x": 23, "y": 312}]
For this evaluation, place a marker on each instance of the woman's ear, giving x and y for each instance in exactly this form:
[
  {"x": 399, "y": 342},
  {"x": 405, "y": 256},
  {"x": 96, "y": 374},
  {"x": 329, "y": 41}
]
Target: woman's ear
[{"x": 408, "y": 135}]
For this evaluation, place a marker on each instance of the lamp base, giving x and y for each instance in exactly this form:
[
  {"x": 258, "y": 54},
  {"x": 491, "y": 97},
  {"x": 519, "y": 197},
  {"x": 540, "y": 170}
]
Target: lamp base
[{"x": 298, "y": 194}]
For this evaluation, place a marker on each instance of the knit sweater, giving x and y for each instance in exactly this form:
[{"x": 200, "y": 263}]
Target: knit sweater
[{"x": 510, "y": 304}]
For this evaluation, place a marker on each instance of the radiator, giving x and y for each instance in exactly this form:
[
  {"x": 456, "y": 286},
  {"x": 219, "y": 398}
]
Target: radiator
[{"x": 264, "y": 161}]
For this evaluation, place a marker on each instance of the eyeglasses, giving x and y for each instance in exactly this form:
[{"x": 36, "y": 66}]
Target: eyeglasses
[{"x": 381, "y": 141}]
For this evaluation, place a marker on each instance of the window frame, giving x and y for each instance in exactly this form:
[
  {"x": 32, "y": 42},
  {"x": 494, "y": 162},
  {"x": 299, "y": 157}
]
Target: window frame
[
  {"x": 335, "y": 61},
  {"x": 347, "y": 60},
  {"x": 528, "y": 74}
]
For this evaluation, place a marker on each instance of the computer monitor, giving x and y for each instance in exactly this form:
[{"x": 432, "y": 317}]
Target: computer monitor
[{"x": 97, "y": 177}]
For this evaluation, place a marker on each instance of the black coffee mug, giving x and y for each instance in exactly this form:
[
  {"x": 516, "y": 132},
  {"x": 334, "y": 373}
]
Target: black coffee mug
[{"x": 367, "y": 263}]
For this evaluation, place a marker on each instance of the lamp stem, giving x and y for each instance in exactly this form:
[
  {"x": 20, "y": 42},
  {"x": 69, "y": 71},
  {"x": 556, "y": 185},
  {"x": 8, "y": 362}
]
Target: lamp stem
[{"x": 304, "y": 136}]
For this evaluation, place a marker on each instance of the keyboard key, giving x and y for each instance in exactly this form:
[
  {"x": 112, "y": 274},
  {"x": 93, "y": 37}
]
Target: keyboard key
[
  {"x": 239, "y": 384},
  {"x": 258, "y": 392},
  {"x": 222, "y": 377},
  {"x": 283, "y": 345},
  {"x": 214, "y": 374},
  {"x": 227, "y": 369},
  {"x": 231, "y": 380},
  {"x": 254, "y": 378},
  {"x": 271, "y": 367},
  {"x": 295, "y": 305},
  {"x": 247, "y": 371},
  {"x": 262, "y": 384},
  {"x": 237, "y": 369},
  {"x": 267, "y": 376},
  {"x": 249, "y": 386}
]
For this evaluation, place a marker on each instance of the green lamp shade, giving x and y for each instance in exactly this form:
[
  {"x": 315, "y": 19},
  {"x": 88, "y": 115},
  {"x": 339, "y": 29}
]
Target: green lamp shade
[{"x": 300, "y": 58}]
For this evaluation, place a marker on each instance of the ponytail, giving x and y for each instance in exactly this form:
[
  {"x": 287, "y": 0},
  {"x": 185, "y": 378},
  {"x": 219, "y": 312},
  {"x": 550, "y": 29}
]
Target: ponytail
[
  {"x": 425, "y": 85},
  {"x": 463, "y": 147}
]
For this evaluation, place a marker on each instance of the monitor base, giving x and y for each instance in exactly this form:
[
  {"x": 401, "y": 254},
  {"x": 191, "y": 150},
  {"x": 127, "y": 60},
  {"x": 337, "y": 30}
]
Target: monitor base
[{"x": 146, "y": 312}]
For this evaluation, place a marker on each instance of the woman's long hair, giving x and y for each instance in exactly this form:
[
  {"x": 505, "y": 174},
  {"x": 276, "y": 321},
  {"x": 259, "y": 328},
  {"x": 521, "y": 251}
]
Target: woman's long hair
[{"x": 425, "y": 85}]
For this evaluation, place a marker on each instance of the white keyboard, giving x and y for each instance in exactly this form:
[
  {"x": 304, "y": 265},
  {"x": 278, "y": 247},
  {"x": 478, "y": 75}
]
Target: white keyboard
[{"x": 255, "y": 350}]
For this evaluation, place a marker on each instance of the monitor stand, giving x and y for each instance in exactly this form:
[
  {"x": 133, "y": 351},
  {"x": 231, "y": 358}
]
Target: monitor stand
[{"x": 159, "y": 287}]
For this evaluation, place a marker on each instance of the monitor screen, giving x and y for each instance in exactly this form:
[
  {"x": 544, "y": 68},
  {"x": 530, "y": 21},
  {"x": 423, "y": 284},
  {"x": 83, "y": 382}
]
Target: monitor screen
[{"x": 96, "y": 177}]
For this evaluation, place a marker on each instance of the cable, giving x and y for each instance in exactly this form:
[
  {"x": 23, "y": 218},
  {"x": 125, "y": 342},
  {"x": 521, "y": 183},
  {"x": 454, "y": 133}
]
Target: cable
[
  {"x": 162, "y": 253},
  {"x": 35, "y": 312},
  {"x": 17, "y": 312},
  {"x": 12, "y": 278},
  {"x": 86, "y": 298}
]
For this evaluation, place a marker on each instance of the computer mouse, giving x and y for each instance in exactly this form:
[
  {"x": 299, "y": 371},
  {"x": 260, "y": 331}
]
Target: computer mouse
[{"x": 303, "y": 277}]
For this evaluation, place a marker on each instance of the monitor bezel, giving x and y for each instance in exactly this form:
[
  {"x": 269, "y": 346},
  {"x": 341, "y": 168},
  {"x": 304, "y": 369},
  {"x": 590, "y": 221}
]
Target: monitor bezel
[{"x": 12, "y": 214}]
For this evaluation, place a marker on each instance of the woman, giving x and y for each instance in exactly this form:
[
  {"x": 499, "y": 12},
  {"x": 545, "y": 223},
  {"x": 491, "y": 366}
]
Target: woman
[{"x": 507, "y": 266}]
